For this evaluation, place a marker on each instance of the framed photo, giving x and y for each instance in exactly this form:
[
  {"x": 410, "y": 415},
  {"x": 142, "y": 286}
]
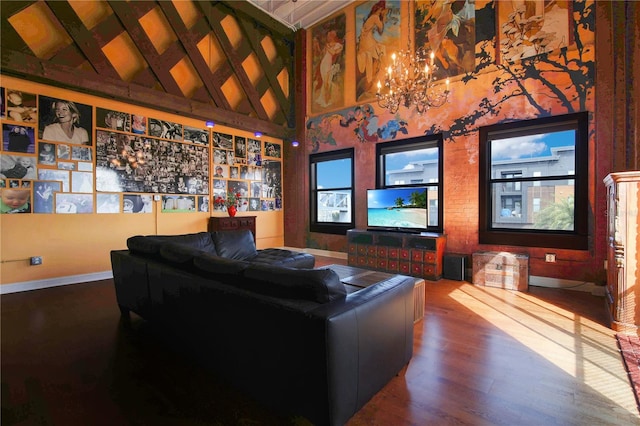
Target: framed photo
[
  {"x": 46, "y": 153},
  {"x": 59, "y": 175},
  {"x": 137, "y": 203},
  {"x": 108, "y": 203},
  {"x": 44, "y": 195},
  {"x": 62, "y": 120},
  {"x": 73, "y": 203},
  {"x": 195, "y": 135},
  {"x": 273, "y": 150},
  {"x": 21, "y": 107},
  {"x": 110, "y": 119},
  {"x": 531, "y": 28},
  {"x": 15, "y": 200},
  {"x": 18, "y": 166},
  {"x": 18, "y": 138},
  {"x": 82, "y": 182},
  {"x": 203, "y": 204},
  {"x": 178, "y": 203},
  {"x": 222, "y": 140}
]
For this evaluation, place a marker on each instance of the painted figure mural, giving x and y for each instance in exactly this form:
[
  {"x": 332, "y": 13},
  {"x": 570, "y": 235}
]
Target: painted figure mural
[
  {"x": 377, "y": 32},
  {"x": 328, "y": 64}
]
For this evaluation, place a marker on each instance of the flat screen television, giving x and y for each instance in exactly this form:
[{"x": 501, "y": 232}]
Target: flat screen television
[{"x": 397, "y": 209}]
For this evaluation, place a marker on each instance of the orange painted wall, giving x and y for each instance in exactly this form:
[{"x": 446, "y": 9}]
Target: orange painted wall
[{"x": 77, "y": 244}]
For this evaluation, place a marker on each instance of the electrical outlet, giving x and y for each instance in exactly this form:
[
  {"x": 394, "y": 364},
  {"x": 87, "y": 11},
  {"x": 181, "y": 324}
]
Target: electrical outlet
[
  {"x": 36, "y": 260},
  {"x": 550, "y": 257}
]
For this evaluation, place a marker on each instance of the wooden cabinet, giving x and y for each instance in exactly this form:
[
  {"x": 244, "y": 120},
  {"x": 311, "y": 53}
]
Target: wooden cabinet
[
  {"x": 417, "y": 255},
  {"x": 236, "y": 223},
  {"x": 623, "y": 256}
]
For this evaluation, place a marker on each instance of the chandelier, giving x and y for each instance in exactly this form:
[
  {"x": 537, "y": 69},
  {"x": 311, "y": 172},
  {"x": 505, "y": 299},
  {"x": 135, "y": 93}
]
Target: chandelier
[{"x": 410, "y": 80}]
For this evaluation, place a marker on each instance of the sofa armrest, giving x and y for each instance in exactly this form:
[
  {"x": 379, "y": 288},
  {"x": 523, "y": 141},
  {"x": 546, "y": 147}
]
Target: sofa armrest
[{"x": 369, "y": 340}]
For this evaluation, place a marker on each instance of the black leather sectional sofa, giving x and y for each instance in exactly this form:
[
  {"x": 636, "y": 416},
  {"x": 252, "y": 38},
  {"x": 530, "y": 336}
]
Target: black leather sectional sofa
[{"x": 286, "y": 334}]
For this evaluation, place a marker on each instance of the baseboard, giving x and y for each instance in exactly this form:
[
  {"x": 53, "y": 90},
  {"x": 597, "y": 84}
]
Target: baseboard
[
  {"x": 589, "y": 287},
  {"x": 54, "y": 282}
]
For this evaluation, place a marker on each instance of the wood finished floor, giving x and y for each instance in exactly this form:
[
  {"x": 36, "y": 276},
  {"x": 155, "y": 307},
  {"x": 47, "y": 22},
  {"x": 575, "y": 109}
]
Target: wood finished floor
[{"x": 482, "y": 356}]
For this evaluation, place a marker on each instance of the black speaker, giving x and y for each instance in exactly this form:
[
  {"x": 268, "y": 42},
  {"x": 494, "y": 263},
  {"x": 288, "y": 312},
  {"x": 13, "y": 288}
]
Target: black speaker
[{"x": 453, "y": 266}]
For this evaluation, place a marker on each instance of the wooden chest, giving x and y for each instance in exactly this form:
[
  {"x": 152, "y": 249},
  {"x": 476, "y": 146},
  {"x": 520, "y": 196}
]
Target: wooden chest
[{"x": 501, "y": 269}]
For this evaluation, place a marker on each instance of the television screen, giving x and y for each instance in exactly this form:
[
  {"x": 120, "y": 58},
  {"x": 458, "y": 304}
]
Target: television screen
[{"x": 397, "y": 208}]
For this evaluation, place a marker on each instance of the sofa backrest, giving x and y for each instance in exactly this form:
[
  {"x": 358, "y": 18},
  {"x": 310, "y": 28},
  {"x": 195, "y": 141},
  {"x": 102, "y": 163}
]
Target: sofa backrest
[
  {"x": 319, "y": 285},
  {"x": 151, "y": 244},
  {"x": 235, "y": 244}
]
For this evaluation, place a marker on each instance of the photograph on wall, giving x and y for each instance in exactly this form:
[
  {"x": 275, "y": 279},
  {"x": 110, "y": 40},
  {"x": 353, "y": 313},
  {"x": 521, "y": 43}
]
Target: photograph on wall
[
  {"x": 66, "y": 165},
  {"x": 165, "y": 129},
  {"x": 63, "y": 152},
  {"x": 129, "y": 163},
  {"x": 15, "y": 200},
  {"x": 327, "y": 63},
  {"x": 219, "y": 184},
  {"x": 21, "y": 106},
  {"x": 18, "y": 138},
  {"x": 222, "y": 140},
  {"x": 81, "y": 153},
  {"x": 271, "y": 183},
  {"x": 46, "y": 153},
  {"x": 220, "y": 156},
  {"x": 138, "y": 124},
  {"x": 254, "y": 152},
  {"x": 195, "y": 135},
  {"x": 107, "y": 203},
  {"x": 531, "y": 28},
  {"x": 239, "y": 187},
  {"x": 58, "y": 175},
  {"x": 221, "y": 171},
  {"x": 137, "y": 203},
  {"x": 219, "y": 197},
  {"x": 3, "y": 105},
  {"x": 231, "y": 158},
  {"x": 17, "y": 167},
  {"x": 115, "y": 120},
  {"x": 448, "y": 30},
  {"x": 233, "y": 172},
  {"x": 240, "y": 148},
  {"x": 377, "y": 37},
  {"x": 85, "y": 167},
  {"x": 178, "y": 203},
  {"x": 273, "y": 150},
  {"x": 254, "y": 204},
  {"x": 256, "y": 189},
  {"x": 44, "y": 195},
  {"x": 203, "y": 204},
  {"x": 67, "y": 203},
  {"x": 82, "y": 182},
  {"x": 61, "y": 120}
]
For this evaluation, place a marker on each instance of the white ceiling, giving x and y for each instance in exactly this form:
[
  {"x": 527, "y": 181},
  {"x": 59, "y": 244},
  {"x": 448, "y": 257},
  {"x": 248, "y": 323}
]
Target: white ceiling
[{"x": 297, "y": 14}]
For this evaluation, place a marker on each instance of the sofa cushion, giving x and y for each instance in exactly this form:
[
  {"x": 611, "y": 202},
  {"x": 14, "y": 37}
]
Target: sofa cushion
[
  {"x": 234, "y": 244},
  {"x": 179, "y": 254},
  {"x": 319, "y": 285},
  {"x": 150, "y": 244},
  {"x": 210, "y": 265},
  {"x": 283, "y": 257}
]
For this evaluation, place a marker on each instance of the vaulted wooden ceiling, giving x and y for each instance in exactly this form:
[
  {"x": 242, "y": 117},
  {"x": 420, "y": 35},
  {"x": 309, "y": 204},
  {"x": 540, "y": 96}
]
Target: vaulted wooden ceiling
[{"x": 221, "y": 60}]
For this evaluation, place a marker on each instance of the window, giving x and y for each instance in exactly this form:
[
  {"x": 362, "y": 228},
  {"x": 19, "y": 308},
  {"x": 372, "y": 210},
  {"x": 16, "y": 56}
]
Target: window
[
  {"x": 331, "y": 180},
  {"x": 419, "y": 162},
  {"x": 533, "y": 182}
]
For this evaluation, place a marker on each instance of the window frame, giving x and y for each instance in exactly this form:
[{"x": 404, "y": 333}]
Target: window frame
[
  {"x": 577, "y": 238},
  {"x": 412, "y": 144},
  {"x": 338, "y": 228}
]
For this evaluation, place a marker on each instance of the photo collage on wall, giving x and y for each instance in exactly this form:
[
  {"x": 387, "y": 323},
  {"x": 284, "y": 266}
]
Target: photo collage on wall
[
  {"x": 55, "y": 159},
  {"x": 246, "y": 169},
  {"x": 151, "y": 156}
]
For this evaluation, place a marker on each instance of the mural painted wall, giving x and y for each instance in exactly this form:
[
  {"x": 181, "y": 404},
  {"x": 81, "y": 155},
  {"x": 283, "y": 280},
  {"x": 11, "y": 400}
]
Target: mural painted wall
[{"x": 537, "y": 73}]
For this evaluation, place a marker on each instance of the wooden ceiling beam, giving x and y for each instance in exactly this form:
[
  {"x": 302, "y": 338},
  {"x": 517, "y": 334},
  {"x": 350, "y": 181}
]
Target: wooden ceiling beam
[
  {"x": 215, "y": 16},
  {"x": 82, "y": 37},
  {"x": 160, "y": 68},
  {"x": 189, "y": 40},
  {"x": 25, "y": 66},
  {"x": 269, "y": 73}
]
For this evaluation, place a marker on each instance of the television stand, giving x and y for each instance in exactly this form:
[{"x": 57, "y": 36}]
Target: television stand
[{"x": 417, "y": 255}]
